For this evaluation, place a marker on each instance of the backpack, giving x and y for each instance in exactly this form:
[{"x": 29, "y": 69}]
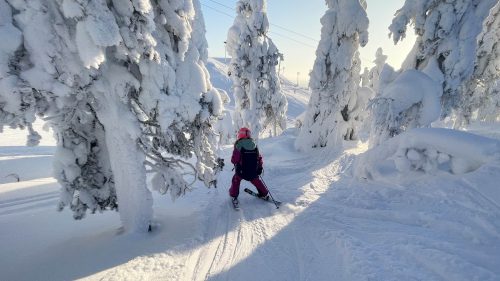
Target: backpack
[{"x": 247, "y": 168}]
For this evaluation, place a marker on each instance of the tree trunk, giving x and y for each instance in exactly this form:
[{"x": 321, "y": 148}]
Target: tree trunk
[{"x": 127, "y": 163}]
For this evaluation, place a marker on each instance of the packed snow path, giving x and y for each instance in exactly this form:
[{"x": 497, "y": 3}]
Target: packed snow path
[{"x": 330, "y": 227}]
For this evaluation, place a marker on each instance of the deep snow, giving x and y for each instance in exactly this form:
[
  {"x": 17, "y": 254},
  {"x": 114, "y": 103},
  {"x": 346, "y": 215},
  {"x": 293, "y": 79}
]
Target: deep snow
[{"x": 331, "y": 226}]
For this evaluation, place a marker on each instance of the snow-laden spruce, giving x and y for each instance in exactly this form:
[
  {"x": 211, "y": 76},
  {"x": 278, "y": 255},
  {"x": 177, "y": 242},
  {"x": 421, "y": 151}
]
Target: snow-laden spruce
[
  {"x": 124, "y": 86},
  {"x": 374, "y": 74},
  {"x": 365, "y": 79},
  {"x": 259, "y": 103},
  {"x": 407, "y": 100},
  {"x": 17, "y": 98},
  {"x": 481, "y": 99},
  {"x": 336, "y": 104},
  {"x": 446, "y": 32},
  {"x": 45, "y": 61}
]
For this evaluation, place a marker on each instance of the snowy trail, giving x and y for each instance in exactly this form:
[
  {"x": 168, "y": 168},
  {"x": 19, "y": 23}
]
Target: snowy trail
[
  {"x": 226, "y": 245},
  {"x": 260, "y": 241},
  {"x": 335, "y": 228},
  {"x": 257, "y": 241}
]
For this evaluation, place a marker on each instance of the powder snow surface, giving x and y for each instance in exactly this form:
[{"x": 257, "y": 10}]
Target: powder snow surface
[
  {"x": 412, "y": 225},
  {"x": 331, "y": 226}
]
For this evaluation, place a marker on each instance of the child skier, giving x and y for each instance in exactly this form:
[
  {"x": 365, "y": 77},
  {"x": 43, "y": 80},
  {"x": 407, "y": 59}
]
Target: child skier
[{"x": 248, "y": 166}]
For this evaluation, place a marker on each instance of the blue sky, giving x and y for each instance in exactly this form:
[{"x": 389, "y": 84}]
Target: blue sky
[{"x": 295, "y": 29}]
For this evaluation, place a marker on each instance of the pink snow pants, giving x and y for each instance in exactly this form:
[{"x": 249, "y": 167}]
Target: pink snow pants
[{"x": 235, "y": 186}]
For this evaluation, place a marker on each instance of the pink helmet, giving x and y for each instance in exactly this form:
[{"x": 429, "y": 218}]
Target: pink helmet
[{"x": 244, "y": 133}]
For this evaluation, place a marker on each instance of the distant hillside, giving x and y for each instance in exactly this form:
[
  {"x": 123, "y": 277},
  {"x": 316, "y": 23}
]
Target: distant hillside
[
  {"x": 218, "y": 76},
  {"x": 297, "y": 97}
]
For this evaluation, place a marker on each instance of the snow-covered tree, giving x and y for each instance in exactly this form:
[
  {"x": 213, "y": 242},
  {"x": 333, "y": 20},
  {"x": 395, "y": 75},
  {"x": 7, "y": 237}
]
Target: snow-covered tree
[
  {"x": 333, "y": 110},
  {"x": 486, "y": 99},
  {"x": 45, "y": 62},
  {"x": 374, "y": 73},
  {"x": 260, "y": 105},
  {"x": 446, "y": 31},
  {"x": 17, "y": 99},
  {"x": 124, "y": 86},
  {"x": 225, "y": 129},
  {"x": 481, "y": 99},
  {"x": 365, "y": 79},
  {"x": 407, "y": 100}
]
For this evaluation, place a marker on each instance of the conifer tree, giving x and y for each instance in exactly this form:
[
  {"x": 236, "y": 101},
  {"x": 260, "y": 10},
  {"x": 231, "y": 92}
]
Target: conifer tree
[
  {"x": 446, "y": 32},
  {"x": 481, "y": 99},
  {"x": 124, "y": 86},
  {"x": 333, "y": 110},
  {"x": 260, "y": 105},
  {"x": 375, "y": 72}
]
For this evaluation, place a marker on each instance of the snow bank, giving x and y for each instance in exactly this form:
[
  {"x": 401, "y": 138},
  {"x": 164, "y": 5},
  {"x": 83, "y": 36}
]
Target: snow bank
[{"x": 427, "y": 150}]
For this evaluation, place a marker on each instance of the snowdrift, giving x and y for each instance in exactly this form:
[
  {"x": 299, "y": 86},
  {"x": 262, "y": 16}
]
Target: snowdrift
[{"x": 427, "y": 151}]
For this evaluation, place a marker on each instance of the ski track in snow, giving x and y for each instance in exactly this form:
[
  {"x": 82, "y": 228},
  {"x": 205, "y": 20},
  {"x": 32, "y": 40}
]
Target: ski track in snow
[{"x": 28, "y": 203}]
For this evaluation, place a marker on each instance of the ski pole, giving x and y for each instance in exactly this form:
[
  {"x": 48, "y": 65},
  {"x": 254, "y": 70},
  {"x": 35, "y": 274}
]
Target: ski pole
[{"x": 269, "y": 191}]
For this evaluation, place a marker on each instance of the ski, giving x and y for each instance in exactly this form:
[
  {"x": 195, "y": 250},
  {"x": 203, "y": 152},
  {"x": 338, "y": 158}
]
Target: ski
[
  {"x": 251, "y": 192},
  {"x": 235, "y": 204}
]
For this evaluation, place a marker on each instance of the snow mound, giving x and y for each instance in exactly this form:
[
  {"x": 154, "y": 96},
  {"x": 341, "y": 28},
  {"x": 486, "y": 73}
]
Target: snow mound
[{"x": 428, "y": 151}]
